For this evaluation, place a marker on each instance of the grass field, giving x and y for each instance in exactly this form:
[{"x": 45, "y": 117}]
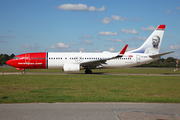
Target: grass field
[{"x": 90, "y": 88}]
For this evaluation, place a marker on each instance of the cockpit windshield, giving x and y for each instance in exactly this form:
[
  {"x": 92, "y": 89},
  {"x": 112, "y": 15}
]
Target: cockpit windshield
[{"x": 16, "y": 58}]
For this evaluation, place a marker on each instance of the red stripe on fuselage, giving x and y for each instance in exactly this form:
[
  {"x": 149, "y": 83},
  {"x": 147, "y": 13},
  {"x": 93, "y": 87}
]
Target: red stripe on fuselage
[{"x": 29, "y": 61}]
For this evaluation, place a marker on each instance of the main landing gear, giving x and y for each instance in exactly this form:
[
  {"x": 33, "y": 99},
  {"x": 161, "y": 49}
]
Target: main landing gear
[{"x": 88, "y": 71}]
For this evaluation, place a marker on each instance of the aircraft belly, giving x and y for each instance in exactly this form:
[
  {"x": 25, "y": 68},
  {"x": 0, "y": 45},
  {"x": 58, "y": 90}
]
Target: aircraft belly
[{"x": 54, "y": 65}]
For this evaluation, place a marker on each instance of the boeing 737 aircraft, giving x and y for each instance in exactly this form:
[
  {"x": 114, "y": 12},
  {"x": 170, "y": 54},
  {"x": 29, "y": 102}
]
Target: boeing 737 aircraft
[{"x": 148, "y": 52}]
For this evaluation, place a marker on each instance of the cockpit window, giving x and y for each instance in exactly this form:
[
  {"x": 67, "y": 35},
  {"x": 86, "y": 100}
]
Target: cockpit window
[{"x": 16, "y": 58}]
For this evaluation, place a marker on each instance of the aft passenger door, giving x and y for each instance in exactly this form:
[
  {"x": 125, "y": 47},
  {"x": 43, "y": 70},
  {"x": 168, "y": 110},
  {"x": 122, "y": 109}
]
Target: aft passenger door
[{"x": 138, "y": 58}]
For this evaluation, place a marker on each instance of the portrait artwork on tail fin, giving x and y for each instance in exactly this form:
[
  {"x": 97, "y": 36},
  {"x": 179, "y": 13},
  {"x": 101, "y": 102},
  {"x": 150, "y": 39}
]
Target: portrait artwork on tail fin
[
  {"x": 152, "y": 45},
  {"x": 155, "y": 43}
]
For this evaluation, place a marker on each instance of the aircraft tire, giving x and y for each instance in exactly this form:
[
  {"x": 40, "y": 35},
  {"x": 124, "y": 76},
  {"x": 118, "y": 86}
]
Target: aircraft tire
[
  {"x": 88, "y": 71},
  {"x": 23, "y": 72}
]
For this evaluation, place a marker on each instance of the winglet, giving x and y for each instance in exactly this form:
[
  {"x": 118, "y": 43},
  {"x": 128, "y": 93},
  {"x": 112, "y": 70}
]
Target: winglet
[
  {"x": 124, "y": 49},
  {"x": 122, "y": 52}
]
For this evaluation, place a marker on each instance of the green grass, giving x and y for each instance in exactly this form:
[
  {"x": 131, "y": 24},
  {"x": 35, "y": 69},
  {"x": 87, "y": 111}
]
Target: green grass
[{"x": 88, "y": 88}]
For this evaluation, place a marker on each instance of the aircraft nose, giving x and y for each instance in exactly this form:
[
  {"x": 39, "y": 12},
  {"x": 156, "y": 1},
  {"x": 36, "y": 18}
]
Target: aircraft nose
[{"x": 9, "y": 62}]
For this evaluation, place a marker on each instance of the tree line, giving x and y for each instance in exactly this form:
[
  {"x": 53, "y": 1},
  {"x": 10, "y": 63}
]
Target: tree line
[
  {"x": 169, "y": 62},
  {"x": 4, "y": 58}
]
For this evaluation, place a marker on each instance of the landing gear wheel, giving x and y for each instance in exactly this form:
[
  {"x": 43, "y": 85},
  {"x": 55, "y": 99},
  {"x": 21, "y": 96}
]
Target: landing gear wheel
[
  {"x": 88, "y": 71},
  {"x": 23, "y": 71}
]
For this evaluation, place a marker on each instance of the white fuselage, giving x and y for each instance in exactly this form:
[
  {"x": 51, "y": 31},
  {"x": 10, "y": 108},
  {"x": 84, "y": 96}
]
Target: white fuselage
[{"x": 57, "y": 59}]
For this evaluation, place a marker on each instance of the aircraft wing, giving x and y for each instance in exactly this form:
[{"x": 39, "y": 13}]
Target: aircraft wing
[
  {"x": 159, "y": 55},
  {"x": 94, "y": 63}
]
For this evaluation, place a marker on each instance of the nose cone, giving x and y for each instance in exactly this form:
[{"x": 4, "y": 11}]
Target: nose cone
[{"x": 9, "y": 62}]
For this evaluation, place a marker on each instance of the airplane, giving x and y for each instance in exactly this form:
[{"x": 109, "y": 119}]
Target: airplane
[{"x": 71, "y": 62}]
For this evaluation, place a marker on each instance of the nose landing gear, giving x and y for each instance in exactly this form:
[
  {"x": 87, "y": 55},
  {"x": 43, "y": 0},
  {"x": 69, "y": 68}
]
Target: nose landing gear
[{"x": 23, "y": 71}]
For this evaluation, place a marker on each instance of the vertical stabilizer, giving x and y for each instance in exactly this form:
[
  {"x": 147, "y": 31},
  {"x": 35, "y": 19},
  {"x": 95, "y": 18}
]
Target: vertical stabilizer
[{"x": 152, "y": 44}]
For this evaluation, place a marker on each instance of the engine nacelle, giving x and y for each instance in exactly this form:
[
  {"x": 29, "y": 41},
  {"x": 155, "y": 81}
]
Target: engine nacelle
[{"x": 71, "y": 67}]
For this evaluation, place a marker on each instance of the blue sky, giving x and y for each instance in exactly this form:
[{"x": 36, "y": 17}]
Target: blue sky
[{"x": 86, "y": 25}]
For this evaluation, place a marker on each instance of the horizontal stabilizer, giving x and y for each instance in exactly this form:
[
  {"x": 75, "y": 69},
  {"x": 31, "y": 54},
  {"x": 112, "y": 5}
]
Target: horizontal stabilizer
[{"x": 159, "y": 55}]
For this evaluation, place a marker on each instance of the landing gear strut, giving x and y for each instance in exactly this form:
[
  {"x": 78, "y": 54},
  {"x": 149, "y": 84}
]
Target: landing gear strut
[
  {"x": 88, "y": 71},
  {"x": 23, "y": 71}
]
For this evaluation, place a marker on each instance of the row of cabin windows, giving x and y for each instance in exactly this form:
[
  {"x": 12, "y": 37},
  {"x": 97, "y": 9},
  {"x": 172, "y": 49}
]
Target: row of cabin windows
[
  {"x": 38, "y": 58},
  {"x": 55, "y": 58},
  {"x": 74, "y": 58},
  {"x": 89, "y": 58}
]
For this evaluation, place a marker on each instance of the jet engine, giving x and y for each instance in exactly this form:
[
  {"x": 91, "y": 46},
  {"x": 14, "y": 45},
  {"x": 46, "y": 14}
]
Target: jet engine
[{"x": 71, "y": 67}]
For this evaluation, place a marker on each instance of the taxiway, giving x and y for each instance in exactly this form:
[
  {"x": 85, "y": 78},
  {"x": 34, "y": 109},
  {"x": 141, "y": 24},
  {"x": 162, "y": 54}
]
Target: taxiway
[{"x": 90, "y": 111}]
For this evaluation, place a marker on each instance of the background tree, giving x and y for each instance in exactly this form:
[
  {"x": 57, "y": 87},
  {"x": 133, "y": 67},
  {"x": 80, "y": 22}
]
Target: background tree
[
  {"x": 12, "y": 56},
  {"x": 4, "y": 58},
  {"x": 169, "y": 62},
  {"x": 170, "y": 59}
]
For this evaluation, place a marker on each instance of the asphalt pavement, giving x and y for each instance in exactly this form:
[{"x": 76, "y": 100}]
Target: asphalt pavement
[{"x": 90, "y": 111}]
